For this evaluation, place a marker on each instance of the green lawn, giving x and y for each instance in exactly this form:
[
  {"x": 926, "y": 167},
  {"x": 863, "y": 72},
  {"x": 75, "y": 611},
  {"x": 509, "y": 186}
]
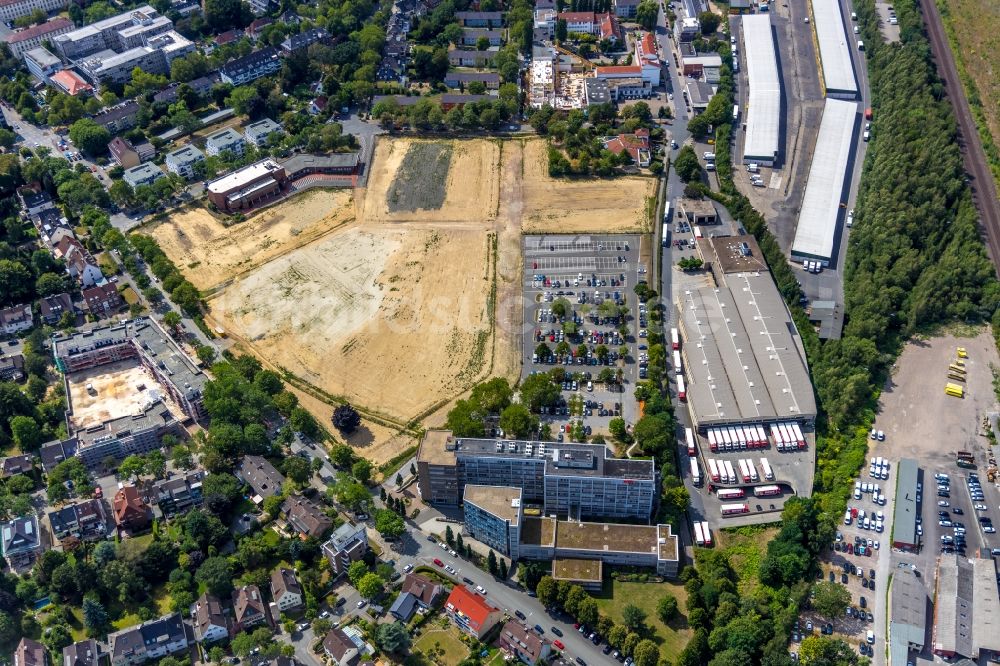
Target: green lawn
[
  {"x": 746, "y": 547},
  {"x": 671, "y": 638},
  {"x": 448, "y": 649}
]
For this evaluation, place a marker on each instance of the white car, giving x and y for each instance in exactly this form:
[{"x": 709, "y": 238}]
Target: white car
[
  {"x": 361, "y": 604},
  {"x": 943, "y": 503},
  {"x": 408, "y": 568},
  {"x": 981, "y": 507},
  {"x": 480, "y": 589},
  {"x": 989, "y": 529},
  {"x": 876, "y": 546},
  {"x": 850, "y": 218}
]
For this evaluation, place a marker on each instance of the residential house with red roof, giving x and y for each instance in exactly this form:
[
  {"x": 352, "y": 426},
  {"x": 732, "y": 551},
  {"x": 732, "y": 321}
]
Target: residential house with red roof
[
  {"x": 30, "y": 653},
  {"x": 71, "y": 83},
  {"x": 470, "y": 612},
  {"x": 516, "y": 640},
  {"x": 33, "y": 37},
  {"x": 15, "y": 319},
  {"x": 249, "y": 607},
  {"x": 131, "y": 513},
  {"x": 103, "y": 300},
  {"x": 79, "y": 263},
  {"x": 636, "y": 145}
]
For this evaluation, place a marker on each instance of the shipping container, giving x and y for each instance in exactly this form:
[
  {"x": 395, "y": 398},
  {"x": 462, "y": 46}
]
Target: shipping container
[
  {"x": 766, "y": 491},
  {"x": 730, "y": 493},
  {"x": 735, "y": 509}
]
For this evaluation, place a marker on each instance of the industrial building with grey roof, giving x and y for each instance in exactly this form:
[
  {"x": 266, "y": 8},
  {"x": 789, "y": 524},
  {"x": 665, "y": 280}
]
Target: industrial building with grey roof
[
  {"x": 743, "y": 359},
  {"x": 834, "y": 50},
  {"x": 904, "y": 521},
  {"x": 820, "y": 212},
  {"x": 907, "y": 615},
  {"x": 967, "y": 608},
  {"x": 763, "y": 112}
]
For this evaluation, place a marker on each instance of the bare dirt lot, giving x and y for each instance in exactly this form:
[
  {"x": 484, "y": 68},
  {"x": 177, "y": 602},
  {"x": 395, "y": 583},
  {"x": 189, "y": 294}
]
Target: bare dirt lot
[
  {"x": 400, "y": 303},
  {"x": 580, "y": 206},
  {"x": 210, "y": 253},
  {"x": 115, "y": 390},
  {"x": 919, "y": 420}
]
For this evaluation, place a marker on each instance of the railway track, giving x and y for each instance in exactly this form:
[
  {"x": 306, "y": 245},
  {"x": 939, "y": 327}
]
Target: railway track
[{"x": 984, "y": 192}]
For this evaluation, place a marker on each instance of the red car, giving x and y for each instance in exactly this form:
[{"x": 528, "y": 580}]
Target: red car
[
  {"x": 559, "y": 645},
  {"x": 438, "y": 562}
]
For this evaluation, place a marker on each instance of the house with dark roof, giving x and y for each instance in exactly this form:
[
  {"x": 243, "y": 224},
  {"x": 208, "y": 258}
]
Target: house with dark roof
[
  {"x": 179, "y": 492},
  {"x": 12, "y": 465},
  {"x": 253, "y": 30},
  {"x": 83, "y": 653},
  {"x": 424, "y": 589},
  {"x": 305, "y": 517},
  {"x": 285, "y": 589},
  {"x": 127, "y": 155},
  {"x": 209, "y": 620},
  {"x": 30, "y": 653},
  {"x": 103, "y": 300},
  {"x": 454, "y": 79},
  {"x": 131, "y": 513},
  {"x": 54, "y": 452},
  {"x": 85, "y": 521},
  {"x": 303, "y": 40},
  {"x": 34, "y": 201},
  {"x": 251, "y": 66},
  {"x": 11, "y": 367},
  {"x": 341, "y": 649},
  {"x": 21, "y": 543},
  {"x": 470, "y": 612},
  {"x": 249, "y": 607},
  {"x": 119, "y": 118},
  {"x": 149, "y": 640},
  {"x": 516, "y": 640},
  {"x": 403, "y": 607},
  {"x": 261, "y": 476},
  {"x": 53, "y": 307}
]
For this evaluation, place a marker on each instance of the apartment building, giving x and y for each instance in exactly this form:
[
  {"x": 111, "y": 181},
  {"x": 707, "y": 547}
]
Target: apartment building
[
  {"x": 110, "y": 67},
  {"x": 348, "y": 544},
  {"x": 15, "y": 319},
  {"x": 305, "y": 517},
  {"x": 23, "y": 41},
  {"x": 30, "y": 653},
  {"x": 12, "y": 9},
  {"x": 260, "y": 132},
  {"x": 149, "y": 640},
  {"x": 179, "y": 493},
  {"x": 117, "y": 33},
  {"x": 575, "y": 480},
  {"x": 261, "y": 476},
  {"x": 251, "y": 67},
  {"x": 227, "y": 140},
  {"x": 210, "y": 622},
  {"x": 183, "y": 161},
  {"x": 249, "y": 608},
  {"x": 492, "y": 516},
  {"x": 41, "y": 63},
  {"x": 144, "y": 174},
  {"x": 85, "y": 521}
]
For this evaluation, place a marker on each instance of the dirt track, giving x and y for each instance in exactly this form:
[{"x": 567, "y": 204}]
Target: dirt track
[{"x": 984, "y": 191}]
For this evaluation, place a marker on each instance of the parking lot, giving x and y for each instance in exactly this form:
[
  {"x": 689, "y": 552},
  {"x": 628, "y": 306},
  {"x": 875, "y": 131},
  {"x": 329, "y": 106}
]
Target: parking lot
[{"x": 582, "y": 316}]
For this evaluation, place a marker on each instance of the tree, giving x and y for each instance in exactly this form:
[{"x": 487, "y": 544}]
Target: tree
[
  {"x": 131, "y": 467},
  {"x": 155, "y": 464},
  {"x": 393, "y": 637},
  {"x": 297, "y": 469},
  {"x": 245, "y": 100},
  {"x": 370, "y": 586},
  {"x": 503, "y": 570},
  {"x": 389, "y": 524},
  {"x": 831, "y": 599},
  {"x": 709, "y": 22},
  {"x": 646, "y": 653},
  {"x": 206, "y": 354},
  {"x": 222, "y": 15},
  {"x": 94, "y": 616},
  {"x": 647, "y": 14},
  {"x": 48, "y": 284},
  {"x": 16, "y": 282},
  {"x": 491, "y": 563},
  {"x": 217, "y": 575},
  {"x": 356, "y": 572},
  {"x": 823, "y": 651},
  {"x": 346, "y": 419},
  {"x": 666, "y": 609},
  {"x": 302, "y": 421},
  {"x": 26, "y": 433},
  {"x": 517, "y": 421},
  {"x": 686, "y": 164},
  {"x": 546, "y": 591},
  {"x": 633, "y": 617},
  {"x": 362, "y": 470},
  {"x": 561, "y": 30},
  {"x": 537, "y": 391},
  {"x": 89, "y": 137}
]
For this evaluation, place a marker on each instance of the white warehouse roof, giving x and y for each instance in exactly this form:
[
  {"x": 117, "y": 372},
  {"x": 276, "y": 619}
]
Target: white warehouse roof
[
  {"x": 763, "y": 112},
  {"x": 834, "y": 49},
  {"x": 818, "y": 216}
]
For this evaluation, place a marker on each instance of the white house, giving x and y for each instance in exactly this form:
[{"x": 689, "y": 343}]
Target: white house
[{"x": 285, "y": 589}]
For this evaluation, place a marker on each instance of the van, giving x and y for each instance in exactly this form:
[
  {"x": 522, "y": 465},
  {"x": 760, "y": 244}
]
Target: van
[
  {"x": 857, "y": 30},
  {"x": 590, "y": 386},
  {"x": 710, "y": 166},
  {"x": 709, "y": 156},
  {"x": 753, "y": 168},
  {"x": 861, "y": 45},
  {"x": 867, "y": 135},
  {"x": 854, "y": 16},
  {"x": 847, "y": 520}
]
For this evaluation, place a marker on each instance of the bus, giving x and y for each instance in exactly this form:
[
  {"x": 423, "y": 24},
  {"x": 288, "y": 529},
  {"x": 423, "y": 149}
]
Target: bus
[
  {"x": 730, "y": 472},
  {"x": 744, "y": 472},
  {"x": 675, "y": 339},
  {"x": 678, "y": 368},
  {"x": 695, "y": 472},
  {"x": 681, "y": 389},
  {"x": 766, "y": 491},
  {"x": 666, "y": 223},
  {"x": 736, "y": 113},
  {"x": 766, "y": 467},
  {"x": 699, "y": 537},
  {"x": 706, "y": 534},
  {"x": 954, "y": 367},
  {"x": 730, "y": 493},
  {"x": 957, "y": 377},
  {"x": 689, "y": 438},
  {"x": 954, "y": 390},
  {"x": 753, "y": 471},
  {"x": 735, "y": 509},
  {"x": 713, "y": 468},
  {"x": 713, "y": 443}
]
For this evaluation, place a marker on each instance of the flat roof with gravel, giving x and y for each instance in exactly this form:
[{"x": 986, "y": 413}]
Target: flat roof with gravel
[
  {"x": 501, "y": 501},
  {"x": 538, "y": 531},
  {"x": 606, "y": 537},
  {"x": 576, "y": 569}
]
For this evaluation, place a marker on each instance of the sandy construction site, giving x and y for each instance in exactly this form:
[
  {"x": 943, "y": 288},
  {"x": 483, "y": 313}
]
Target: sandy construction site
[
  {"x": 400, "y": 297},
  {"x": 210, "y": 253},
  {"x": 112, "y": 391}
]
